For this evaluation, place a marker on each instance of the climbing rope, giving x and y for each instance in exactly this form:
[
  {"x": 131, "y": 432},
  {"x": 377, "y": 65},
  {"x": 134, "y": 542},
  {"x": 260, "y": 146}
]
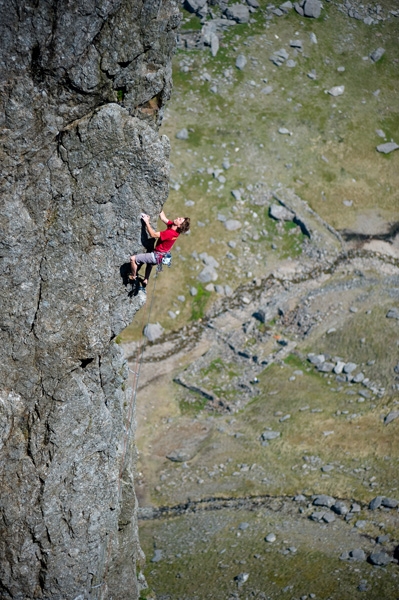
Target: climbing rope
[{"x": 126, "y": 439}]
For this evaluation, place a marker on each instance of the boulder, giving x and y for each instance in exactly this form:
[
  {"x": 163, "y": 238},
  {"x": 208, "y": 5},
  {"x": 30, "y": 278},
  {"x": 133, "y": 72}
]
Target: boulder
[
  {"x": 153, "y": 331},
  {"x": 280, "y": 213},
  {"x": 386, "y": 149},
  {"x": 312, "y": 9},
  {"x": 377, "y": 54},
  {"x": 238, "y": 13}
]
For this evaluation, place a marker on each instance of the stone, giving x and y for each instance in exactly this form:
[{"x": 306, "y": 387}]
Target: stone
[
  {"x": 243, "y": 526},
  {"x": 153, "y": 331},
  {"x": 326, "y": 367},
  {"x": 358, "y": 378},
  {"x": 232, "y": 225},
  {"x": 271, "y": 537},
  {"x": 380, "y": 559},
  {"x": 182, "y": 134},
  {"x": 286, "y": 6},
  {"x": 207, "y": 275},
  {"x": 214, "y": 43},
  {"x": 316, "y": 359},
  {"x": 298, "y": 8},
  {"x": 313, "y": 38},
  {"x": 283, "y": 131},
  {"x": 337, "y": 90},
  {"x": 208, "y": 260},
  {"x": 393, "y": 313},
  {"x": 158, "y": 555},
  {"x": 241, "y": 578},
  {"x": 238, "y": 13},
  {"x": 193, "y": 291},
  {"x": 194, "y": 6},
  {"x": 349, "y": 367},
  {"x": 376, "y": 55},
  {"x": 340, "y": 508},
  {"x": 387, "y": 149},
  {"x": 236, "y": 194},
  {"x": 317, "y": 516},
  {"x": 290, "y": 64},
  {"x": 324, "y": 500},
  {"x": 376, "y": 502},
  {"x": 389, "y": 503},
  {"x": 312, "y": 9},
  {"x": 327, "y": 468},
  {"x": 253, "y": 3},
  {"x": 339, "y": 367},
  {"x": 226, "y": 164},
  {"x": 328, "y": 518},
  {"x": 394, "y": 414},
  {"x": 270, "y": 435},
  {"x": 357, "y": 554},
  {"x": 267, "y": 90},
  {"x": 178, "y": 455},
  {"x": 280, "y": 213},
  {"x": 312, "y": 74},
  {"x": 241, "y": 61},
  {"x": 300, "y": 498}
]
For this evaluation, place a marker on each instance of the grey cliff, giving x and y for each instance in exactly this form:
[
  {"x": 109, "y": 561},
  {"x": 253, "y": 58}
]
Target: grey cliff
[{"x": 83, "y": 85}]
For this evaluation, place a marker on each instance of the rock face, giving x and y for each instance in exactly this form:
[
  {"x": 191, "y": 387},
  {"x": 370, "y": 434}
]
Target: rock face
[{"x": 83, "y": 86}]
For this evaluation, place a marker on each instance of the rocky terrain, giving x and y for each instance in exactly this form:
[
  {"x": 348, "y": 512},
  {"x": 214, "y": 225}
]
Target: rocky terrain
[{"x": 268, "y": 401}]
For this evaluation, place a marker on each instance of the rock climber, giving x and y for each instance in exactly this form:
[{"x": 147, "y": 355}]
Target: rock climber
[{"x": 164, "y": 242}]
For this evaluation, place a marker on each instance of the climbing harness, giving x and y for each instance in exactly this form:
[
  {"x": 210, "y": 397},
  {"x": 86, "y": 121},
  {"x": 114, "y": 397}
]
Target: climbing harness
[{"x": 163, "y": 258}]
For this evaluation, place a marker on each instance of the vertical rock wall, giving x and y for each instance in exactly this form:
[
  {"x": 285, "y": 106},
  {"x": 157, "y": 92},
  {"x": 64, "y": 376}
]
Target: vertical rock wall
[{"x": 83, "y": 83}]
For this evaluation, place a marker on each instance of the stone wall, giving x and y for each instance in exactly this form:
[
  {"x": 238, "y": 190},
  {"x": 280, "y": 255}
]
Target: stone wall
[{"x": 83, "y": 84}]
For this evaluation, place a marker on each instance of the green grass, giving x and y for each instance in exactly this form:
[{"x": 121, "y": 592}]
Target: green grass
[{"x": 199, "y": 303}]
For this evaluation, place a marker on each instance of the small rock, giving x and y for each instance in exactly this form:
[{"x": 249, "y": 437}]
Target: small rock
[
  {"x": 379, "y": 559},
  {"x": 280, "y": 213},
  {"x": 182, "y": 134},
  {"x": 349, "y": 367},
  {"x": 328, "y": 518},
  {"x": 360, "y": 524},
  {"x": 340, "y": 508},
  {"x": 316, "y": 359},
  {"x": 270, "y": 435},
  {"x": 243, "y": 526},
  {"x": 178, "y": 456},
  {"x": 193, "y": 291},
  {"x": 313, "y": 38},
  {"x": 236, "y": 194},
  {"x": 386, "y": 149},
  {"x": 324, "y": 500},
  {"x": 153, "y": 331},
  {"x": 238, "y": 13},
  {"x": 241, "y": 62},
  {"x": 389, "y": 503},
  {"x": 381, "y": 539},
  {"x": 241, "y": 578},
  {"x": 394, "y": 414},
  {"x": 157, "y": 556},
  {"x": 337, "y": 90},
  {"x": 284, "y": 131},
  {"x": 376, "y": 502},
  {"x": 358, "y": 378},
  {"x": 312, "y": 9},
  {"x": 377, "y": 54},
  {"x": 357, "y": 554},
  {"x": 271, "y": 537},
  {"x": 393, "y": 313},
  {"x": 267, "y": 90},
  {"x": 299, "y": 498},
  {"x": 327, "y": 468},
  {"x": 232, "y": 224}
]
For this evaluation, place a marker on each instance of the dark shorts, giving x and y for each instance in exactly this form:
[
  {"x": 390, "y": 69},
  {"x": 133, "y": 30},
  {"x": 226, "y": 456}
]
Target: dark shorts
[{"x": 148, "y": 258}]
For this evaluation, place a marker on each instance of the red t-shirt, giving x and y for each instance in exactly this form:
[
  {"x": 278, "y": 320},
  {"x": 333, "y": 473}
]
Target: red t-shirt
[{"x": 167, "y": 238}]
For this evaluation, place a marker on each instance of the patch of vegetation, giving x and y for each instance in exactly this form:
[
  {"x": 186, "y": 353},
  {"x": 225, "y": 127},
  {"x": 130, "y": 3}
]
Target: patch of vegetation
[{"x": 199, "y": 303}]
